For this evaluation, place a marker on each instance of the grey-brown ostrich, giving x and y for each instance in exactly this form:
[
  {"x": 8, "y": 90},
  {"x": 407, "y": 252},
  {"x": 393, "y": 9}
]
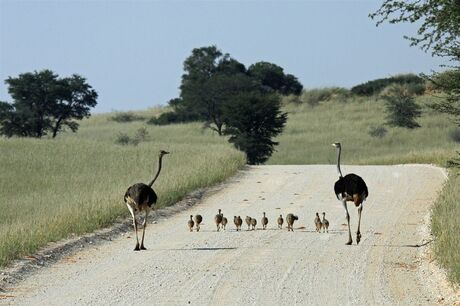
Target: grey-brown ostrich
[
  {"x": 218, "y": 219},
  {"x": 350, "y": 187},
  {"x": 248, "y": 221},
  {"x": 280, "y": 222},
  {"x": 141, "y": 197},
  {"x": 290, "y": 218},
  {"x": 224, "y": 222},
  {"x": 318, "y": 223},
  {"x": 190, "y": 223},
  {"x": 264, "y": 222},
  {"x": 325, "y": 223},
  {"x": 198, "y": 220}
]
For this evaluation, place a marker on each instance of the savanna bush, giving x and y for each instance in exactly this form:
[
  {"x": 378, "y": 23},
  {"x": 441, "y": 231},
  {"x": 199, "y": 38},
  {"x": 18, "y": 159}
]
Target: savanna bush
[
  {"x": 454, "y": 134},
  {"x": 126, "y": 117},
  {"x": 314, "y": 96},
  {"x": 377, "y": 131}
]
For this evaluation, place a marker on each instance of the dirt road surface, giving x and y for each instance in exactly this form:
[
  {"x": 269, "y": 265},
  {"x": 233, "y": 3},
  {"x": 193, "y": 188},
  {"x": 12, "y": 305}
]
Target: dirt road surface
[{"x": 264, "y": 267}]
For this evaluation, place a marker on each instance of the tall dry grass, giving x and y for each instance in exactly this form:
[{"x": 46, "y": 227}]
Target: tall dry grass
[{"x": 75, "y": 184}]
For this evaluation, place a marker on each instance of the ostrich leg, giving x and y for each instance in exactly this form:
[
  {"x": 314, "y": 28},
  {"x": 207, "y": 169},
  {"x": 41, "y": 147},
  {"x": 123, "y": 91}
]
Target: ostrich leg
[
  {"x": 144, "y": 225},
  {"x": 350, "y": 241},
  {"x": 131, "y": 210},
  {"x": 358, "y": 233}
]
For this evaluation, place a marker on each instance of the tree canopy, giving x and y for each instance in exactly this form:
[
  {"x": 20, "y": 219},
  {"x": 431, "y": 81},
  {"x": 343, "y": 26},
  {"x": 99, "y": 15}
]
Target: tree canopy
[
  {"x": 43, "y": 103},
  {"x": 439, "y": 21},
  {"x": 252, "y": 120},
  {"x": 232, "y": 100},
  {"x": 438, "y": 32}
]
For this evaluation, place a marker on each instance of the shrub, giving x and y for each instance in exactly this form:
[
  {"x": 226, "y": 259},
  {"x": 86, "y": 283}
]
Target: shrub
[
  {"x": 314, "y": 96},
  {"x": 455, "y": 135},
  {"x": 401, "y": 109},
  {"x": 173, "y": 117},
  {"x": 164, "y": 119},
  {"x": 141, "y": 134},
  {"x": 378, "y": 131},
  {"x": 123, "y": 139},
  {"x": 126, "y": 117}
]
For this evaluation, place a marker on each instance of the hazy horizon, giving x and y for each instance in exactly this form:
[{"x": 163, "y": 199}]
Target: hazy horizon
[{"x": 132, "y": 52}]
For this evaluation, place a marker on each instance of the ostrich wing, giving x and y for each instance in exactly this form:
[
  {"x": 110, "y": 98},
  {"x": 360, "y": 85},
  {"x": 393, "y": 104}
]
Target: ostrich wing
[{"x": 141, "y": 194}]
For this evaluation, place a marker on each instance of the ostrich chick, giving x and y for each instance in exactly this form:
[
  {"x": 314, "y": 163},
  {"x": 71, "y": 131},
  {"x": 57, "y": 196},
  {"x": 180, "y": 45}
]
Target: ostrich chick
[
  {"x": 238, "y": 221},
  {"x": 318, "y": 223},
  {"x": 290, "y": 218},
  {"x": 264, "y": 222},
  {"x": 253, "y": 223},
  {"x": 280, "y": 222},
  {"x": 198, "y": 220},
  {"x": 218, "y": 219},
  {"x": 325, "y": 223},
  {"x": 224, "y": 222},
  {"x": 248, "y": 221},
  {"x": 190, "y": 223}
]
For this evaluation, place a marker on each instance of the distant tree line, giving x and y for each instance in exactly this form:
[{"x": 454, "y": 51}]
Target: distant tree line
[
  {"x": 44, "y": 104},
  {"x": 233, "y": 100},
  {"x": 413, "y": 82}
]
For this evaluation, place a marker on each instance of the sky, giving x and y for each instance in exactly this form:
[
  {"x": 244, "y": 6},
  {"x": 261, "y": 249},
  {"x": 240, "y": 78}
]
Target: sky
[{"x": 132, "y": 52}]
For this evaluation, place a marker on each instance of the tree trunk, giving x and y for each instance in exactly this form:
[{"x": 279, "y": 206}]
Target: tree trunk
[{"x": 57, "y": 127}]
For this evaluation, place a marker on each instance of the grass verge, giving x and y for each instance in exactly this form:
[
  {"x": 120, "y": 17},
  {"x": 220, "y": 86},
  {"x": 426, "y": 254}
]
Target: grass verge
[{"x": 52, "y": 189}]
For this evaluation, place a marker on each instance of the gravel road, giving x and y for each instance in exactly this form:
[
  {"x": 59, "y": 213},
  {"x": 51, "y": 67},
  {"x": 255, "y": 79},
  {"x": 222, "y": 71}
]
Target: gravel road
[{"x": 264, "y": 267}]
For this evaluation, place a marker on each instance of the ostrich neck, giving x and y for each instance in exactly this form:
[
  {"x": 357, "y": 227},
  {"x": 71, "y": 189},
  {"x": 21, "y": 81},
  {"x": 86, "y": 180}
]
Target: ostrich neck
[
  {"x": 158, "y": 172},
  {"x": 338, "y": 161}
]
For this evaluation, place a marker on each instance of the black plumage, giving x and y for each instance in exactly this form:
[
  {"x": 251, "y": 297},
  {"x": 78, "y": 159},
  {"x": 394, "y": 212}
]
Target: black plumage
[
  {"x": 141, "y": 194},
  {"x": 350, "y": 185}
]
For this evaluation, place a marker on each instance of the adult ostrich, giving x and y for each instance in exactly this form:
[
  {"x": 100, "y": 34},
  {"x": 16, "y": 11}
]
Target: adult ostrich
[
  {"x": 350, "y": 187},
  {"x": 141, "y": 197}
]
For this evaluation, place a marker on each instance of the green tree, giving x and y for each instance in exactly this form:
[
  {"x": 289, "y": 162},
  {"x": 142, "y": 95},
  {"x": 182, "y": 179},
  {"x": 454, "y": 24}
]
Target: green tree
[
  {"x": 74, "y": 103},
  {"x": 252, "y": 120},
  {"x": 438, "y": 32},
  {"x": 210, "y": 80},
  {"x": 272, "y": 76},
  {"x": 401, "y": 109},
  {"x": 43, "y": 103}
]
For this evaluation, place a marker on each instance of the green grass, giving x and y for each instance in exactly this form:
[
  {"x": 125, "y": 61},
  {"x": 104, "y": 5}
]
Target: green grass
[
  {"x": 74, "y": 184},
  {"x": 311, "y": 130},
  {"x": 446, "y": 227},
  {"x": 51, "y": 189}
]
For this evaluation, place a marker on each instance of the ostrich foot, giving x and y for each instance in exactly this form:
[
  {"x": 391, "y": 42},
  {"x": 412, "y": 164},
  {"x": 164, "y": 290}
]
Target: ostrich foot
[
  {"x": 349, "y": 242},
  {"x": 358, "y": 237},
  {"x": 137, "y": 247},
  {"x": 143, "y": 247}
]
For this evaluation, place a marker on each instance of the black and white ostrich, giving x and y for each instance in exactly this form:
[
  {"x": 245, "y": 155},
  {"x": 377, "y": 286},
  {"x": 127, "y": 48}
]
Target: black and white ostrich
[
  {"x": 141, "y": 197},
  {"x": 350, "y": 187}
]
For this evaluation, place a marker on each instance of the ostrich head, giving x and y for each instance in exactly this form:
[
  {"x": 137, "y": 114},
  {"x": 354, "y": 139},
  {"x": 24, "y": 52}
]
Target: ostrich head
[
  {"x": 337, "y": 145},
  {"x": 163, "y": 152},
  {"x": 324, "y": 213}
]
